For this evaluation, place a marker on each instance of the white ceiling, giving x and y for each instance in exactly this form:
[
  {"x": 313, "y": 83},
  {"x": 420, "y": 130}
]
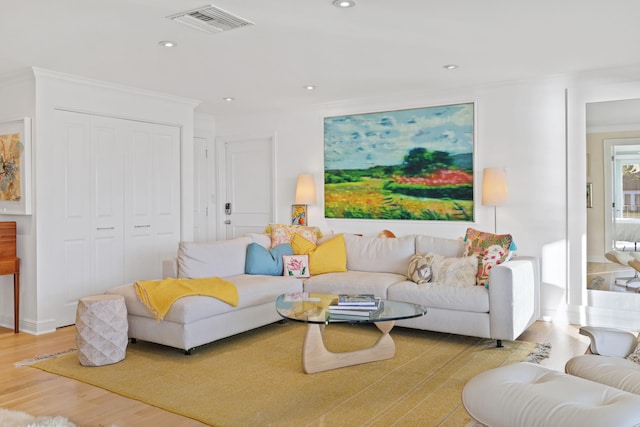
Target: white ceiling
[{"x": 376, "y": 48}]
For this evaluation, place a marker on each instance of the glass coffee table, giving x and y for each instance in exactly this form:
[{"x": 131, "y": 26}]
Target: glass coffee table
[{"x": 313, "y": 309}]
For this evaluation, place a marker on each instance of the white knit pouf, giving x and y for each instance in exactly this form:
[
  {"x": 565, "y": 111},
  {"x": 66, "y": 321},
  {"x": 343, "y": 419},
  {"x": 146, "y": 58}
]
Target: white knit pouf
[{"x": 101, "y": 329}]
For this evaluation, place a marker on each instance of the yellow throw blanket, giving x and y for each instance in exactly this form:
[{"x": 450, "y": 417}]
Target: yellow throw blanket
[{"x": 159, "y": 295}]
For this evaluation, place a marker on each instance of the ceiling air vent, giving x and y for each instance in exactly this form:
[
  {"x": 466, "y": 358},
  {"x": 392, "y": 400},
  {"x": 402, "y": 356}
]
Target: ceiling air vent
[{"x": 210, "y": 19}]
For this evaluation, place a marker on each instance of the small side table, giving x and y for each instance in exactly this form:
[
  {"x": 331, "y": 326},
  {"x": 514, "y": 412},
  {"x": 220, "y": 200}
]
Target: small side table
[
  {"x": 101, "y": 329},
  {"x": 11, "y": 265}
]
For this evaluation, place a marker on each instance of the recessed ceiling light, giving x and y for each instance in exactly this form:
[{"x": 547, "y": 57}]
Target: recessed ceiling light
[
  {"x": 168, "y": 43},
  {"x": 344, "y": 3},
  {"x": 228, "y": 99},
  {"x": 450, "y": 66},
  {"x": 309, "y": 87}
]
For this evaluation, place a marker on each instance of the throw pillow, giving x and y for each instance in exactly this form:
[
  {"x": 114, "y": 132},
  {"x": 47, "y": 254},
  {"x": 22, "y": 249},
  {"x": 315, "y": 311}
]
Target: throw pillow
[
  {"x": 283, "y": 233},
  {"x": 266, "y": 261},
  {"x": 635, "y": 356},
  {"x": 329, "y": 257},
  {"x": 490, "y": 250},
  {"x": 454, "y": 271},
  {"x": 420, "y": 269}
]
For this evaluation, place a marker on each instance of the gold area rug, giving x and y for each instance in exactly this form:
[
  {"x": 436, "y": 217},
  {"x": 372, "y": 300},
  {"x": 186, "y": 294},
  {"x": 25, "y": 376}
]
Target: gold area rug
[{"x": 256, "y": 378}]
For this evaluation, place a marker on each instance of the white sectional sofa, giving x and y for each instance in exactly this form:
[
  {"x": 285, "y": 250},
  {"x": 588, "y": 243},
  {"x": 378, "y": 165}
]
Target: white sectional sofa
[{"x": 373, "y": 265}]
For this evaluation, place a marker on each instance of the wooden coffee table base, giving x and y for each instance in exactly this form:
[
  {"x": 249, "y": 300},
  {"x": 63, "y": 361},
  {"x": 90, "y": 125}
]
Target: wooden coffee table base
[{"x": 316, "y": 357}]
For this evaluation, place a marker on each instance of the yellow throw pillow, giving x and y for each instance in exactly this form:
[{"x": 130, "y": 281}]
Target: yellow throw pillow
[{"x": 329, "y": 257}]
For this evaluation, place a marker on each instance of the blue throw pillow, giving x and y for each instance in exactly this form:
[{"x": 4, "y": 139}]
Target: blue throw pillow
[{"x": 266, "y": 261}]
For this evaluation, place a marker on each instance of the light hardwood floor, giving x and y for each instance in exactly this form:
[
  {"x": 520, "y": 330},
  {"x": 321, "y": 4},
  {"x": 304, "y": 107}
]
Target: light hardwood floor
[{"x": 42, "y": 394}]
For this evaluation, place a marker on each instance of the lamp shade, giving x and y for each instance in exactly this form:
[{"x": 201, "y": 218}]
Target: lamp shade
[
  {"x": 305, "y": 190},
  {"x": 494, "y": 187}
]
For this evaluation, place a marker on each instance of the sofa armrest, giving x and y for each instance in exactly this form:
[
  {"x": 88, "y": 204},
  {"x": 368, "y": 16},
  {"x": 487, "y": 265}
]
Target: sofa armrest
[
  {"x": 170, "y": 268},
  {"x": 610, "y": 342},
  {"x": 513, "y": 297}
]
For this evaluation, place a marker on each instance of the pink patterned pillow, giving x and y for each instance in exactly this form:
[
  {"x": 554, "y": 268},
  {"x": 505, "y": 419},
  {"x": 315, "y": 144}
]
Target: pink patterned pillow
[
  {"x": 283, "y": 233},
  {"x": 491, "y": 250}
]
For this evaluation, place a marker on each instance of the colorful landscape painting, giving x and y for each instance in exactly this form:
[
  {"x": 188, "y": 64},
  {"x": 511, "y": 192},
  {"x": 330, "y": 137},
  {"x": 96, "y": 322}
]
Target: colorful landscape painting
[{"x": 414, "y": 164}]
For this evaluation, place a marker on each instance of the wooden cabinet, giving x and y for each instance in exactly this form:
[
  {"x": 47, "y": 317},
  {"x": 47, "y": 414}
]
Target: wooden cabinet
[{"x": 10, "y": 264}]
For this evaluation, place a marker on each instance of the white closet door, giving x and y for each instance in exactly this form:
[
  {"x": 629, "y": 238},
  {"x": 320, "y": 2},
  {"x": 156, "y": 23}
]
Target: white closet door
[
  {"x": 118, "y": 214},
  {"x": 152, "y": 199},
  {"x": 72, "y": 217},
  {"x": 107, "y": 182},
  {"x": 91, "y": 251}
]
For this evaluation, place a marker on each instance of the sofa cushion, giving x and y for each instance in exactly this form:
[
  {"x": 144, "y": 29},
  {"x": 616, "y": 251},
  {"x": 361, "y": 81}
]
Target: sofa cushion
[
  {"x": 490, "y": 249},
  {"x": 353, "y": 282},
  {"x": 616, "y": 372},
  {"x": 252, "y": 290},
  {"x": 221, "y": 258},
  {"x": 439, "y": 245},
  {"x": 634, "y": 356},
  {"x": 473, "y": 299},
  {"x": 262, "y": 239},
  {"x": 329, "y": 257},
  {"x": 266, "y": 261},
  {"x": 379, "y": 255},
  {"x": 454, "y": 271}
]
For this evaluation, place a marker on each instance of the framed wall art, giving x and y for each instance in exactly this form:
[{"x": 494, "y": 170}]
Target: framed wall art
[
  {"x": 414, "y": 164},
  {"x": 299, "y": 215},
  {"x": 15, "y": 167}
]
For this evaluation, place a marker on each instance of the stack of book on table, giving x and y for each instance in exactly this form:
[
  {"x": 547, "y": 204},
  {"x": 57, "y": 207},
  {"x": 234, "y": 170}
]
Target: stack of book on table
[{"x": 355, "y": 306}]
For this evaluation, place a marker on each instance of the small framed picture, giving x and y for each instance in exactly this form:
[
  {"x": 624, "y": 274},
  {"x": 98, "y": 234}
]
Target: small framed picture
[
  {"x": 296, "y": 265},
  {"x": 298, "y": 214}
]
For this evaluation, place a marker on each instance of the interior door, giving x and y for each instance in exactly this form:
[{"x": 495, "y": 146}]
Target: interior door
[
  {"x": 248, "y": 186},
  {"x": 71, "y": 260},
  {"x": 152, "y": 199},
  {"x": 90, "y": 221}
]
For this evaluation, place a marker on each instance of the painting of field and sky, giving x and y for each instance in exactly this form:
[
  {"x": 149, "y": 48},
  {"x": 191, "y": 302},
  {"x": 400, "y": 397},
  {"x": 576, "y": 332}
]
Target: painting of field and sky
[{"x": 414, "y": 164}]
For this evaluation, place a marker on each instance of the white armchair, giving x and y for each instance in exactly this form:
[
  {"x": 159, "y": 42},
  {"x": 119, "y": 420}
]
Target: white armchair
[
  {"x": 599, "y": 389},
  {"x": 610, "y": 342},
  {"x": 607, "y": 363}
]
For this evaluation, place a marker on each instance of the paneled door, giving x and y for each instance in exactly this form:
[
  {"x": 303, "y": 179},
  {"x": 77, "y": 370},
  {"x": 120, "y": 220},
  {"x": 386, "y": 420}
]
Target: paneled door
[
  {"x": 88, "y": 254},
  {"x": 248, "y": 201},
  {"x": 117, "y": 214},
  {"x": 151, "y": 199}
]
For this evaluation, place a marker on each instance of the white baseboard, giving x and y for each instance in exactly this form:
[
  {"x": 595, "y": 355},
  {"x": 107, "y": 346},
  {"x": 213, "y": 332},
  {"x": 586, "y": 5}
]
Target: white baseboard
[{"x": 29, "y": 326}]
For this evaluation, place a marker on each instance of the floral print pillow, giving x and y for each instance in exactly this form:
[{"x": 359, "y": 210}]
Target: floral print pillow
[
  {"x": 490, "y": 249},
  {"x": 283, "y": 233}
]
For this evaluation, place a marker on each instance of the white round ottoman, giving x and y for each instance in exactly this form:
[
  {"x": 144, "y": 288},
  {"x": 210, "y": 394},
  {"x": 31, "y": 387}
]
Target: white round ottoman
[
  {"x": 101, "y": 329},
  {"x": 525, "y": 394}
]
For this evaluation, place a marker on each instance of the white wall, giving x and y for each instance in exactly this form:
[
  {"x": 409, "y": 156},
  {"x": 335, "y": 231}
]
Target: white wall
[
  {"x": 18, "y": 95},
  {"x": 204, "y": 126},
  {"x": 519, "y": 126}
]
